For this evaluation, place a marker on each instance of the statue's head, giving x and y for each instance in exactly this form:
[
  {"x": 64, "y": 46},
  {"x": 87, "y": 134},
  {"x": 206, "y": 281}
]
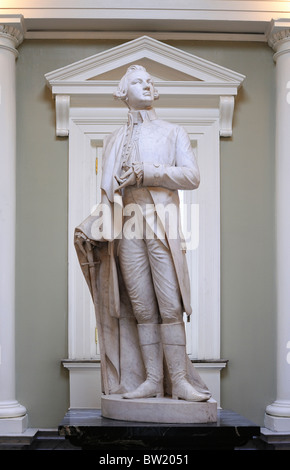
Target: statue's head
[{"x": 136, "y": 88}]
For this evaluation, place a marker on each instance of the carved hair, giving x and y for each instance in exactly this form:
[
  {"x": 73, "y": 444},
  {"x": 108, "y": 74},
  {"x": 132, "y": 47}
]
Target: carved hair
[{"x": 121, "y": 92}]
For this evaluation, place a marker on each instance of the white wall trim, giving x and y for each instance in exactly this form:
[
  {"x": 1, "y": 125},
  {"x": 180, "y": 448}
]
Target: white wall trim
[
  {"x": 129, "y": 35},
  {"x": 108, "y": 21},
  {"x": 85, "y": 381}
]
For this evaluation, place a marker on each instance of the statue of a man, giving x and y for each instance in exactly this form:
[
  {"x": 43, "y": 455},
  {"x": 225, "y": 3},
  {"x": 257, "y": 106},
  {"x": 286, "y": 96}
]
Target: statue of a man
[{"x": 145, "y": 163}]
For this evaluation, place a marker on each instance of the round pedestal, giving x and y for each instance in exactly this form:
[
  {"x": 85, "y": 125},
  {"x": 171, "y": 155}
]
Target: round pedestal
[{"x": 158, "y": 410}]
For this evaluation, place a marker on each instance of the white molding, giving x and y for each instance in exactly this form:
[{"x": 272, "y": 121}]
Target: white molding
[
  {"x": 82, "y": 365},
  {"x": 154, "y": 51},
  {"x": 13, "y": 25},
  {"x": 129, "y": 35},
  {"x": 85, "y": 381},
  {"x": 62, "y": 105},
  {"x": 86, "y": 134},
  {"x": 110, "y": 18},
  {"x": 278, "y": 36},
  {"x": 197, "y": 78},
  {"x": 227, "y": 104}
]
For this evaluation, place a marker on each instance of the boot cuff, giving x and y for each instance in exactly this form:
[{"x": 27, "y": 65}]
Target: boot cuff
[
  {"x": 173, "y": 333},
  {"x": 149, "y": 333}
]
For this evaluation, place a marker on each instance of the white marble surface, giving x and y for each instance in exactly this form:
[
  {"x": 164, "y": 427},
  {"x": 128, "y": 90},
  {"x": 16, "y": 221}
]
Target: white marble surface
[
  {"x": 12, "y": 414},
  {"x": 277, "y": 417},
  {"x": 140, "y": 283},
  {"x": 158, "y": 410}
]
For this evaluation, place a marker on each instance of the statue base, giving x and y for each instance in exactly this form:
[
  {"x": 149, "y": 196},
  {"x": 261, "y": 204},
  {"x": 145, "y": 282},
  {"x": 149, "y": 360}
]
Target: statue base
[
  {"x": 88, "y": 429},
  {"x": 158, "y": 410}
]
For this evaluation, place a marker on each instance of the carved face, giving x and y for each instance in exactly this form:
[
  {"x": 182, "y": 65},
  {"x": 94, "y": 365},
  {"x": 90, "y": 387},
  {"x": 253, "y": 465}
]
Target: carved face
[{"x": 140, "y": 92}]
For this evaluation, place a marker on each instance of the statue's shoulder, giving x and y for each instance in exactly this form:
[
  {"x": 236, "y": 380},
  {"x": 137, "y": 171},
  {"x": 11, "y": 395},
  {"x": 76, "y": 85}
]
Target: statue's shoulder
[
  {"x": 163, "y": 122},
  {"x": 118, "y": 133},
  {"x": 166, "y": 125}
]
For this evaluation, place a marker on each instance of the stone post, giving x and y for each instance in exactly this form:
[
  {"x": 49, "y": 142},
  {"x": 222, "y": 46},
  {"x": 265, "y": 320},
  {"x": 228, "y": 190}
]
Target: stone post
[
  {"x": 277, "y": 417},
  {"x": 13, "y": 417}
]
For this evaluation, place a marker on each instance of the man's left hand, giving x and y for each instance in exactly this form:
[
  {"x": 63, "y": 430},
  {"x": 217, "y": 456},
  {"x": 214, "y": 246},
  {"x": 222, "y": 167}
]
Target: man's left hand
[{"x": 127, "y": 179}]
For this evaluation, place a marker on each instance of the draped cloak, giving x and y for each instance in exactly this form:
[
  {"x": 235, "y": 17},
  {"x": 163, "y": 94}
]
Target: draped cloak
[{"x": 121, "y": 359}]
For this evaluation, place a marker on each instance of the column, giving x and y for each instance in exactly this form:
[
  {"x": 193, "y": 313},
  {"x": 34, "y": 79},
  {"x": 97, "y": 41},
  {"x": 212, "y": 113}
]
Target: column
[
  {"x": 13, "y": 417},
  {"x": 277, "y": 417}
]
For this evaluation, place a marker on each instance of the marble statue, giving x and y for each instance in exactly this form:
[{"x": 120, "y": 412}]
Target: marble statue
[{"x": 133, "y": 256}]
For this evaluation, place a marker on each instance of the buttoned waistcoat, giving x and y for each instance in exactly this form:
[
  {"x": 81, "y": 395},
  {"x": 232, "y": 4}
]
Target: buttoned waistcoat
[{"x": 169, "y": 165}]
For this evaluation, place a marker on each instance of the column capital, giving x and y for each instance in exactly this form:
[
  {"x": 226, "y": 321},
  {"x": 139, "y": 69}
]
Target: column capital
[
  {"x": 11, "y": 32},
  {"x": 278, "y": 36}
]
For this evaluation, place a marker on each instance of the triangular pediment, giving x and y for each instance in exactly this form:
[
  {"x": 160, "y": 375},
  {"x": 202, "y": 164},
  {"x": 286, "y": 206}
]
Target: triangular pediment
[
  {"x": 179, "y": 77},
  {"x": 163, "y": 62},
  {"x": 158, "y": 71}
]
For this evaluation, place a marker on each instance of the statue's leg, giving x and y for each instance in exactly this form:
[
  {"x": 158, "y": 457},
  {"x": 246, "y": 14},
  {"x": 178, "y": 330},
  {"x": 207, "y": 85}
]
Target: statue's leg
[
  {"x": 136, "y": 273},
  {"x": 173, "y": 339},
  {"x": 165, "y": 281},
  {"x": 137, "y": 277},
  {"x": 152, "y": 353}
]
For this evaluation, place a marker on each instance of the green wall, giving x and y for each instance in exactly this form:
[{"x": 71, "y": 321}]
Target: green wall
[{"x": 247, "y": 231}]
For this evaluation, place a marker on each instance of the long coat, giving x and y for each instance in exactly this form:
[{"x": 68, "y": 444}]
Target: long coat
[{"x": 169, "y": 165}]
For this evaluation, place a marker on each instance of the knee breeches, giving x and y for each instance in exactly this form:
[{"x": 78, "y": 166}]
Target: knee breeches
[{"x": 150, "y": 278}]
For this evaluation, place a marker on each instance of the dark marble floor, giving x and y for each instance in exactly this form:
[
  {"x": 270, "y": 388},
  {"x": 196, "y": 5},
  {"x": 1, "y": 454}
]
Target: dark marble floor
[
  {"x": 39, "y": 440},
  {"x": 57, "y": 443}
]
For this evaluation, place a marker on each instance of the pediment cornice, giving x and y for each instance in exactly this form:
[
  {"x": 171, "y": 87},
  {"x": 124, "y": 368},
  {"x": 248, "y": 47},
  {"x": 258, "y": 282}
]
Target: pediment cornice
[
  {"x": 176, "y": 73},
  {"x": 193, "y": 73}
]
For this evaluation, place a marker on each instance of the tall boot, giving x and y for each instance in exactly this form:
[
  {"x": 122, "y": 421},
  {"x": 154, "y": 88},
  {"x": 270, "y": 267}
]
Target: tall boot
[
  {"x": 173, "y": 339},
  {"x": 152, "y": 353}
]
